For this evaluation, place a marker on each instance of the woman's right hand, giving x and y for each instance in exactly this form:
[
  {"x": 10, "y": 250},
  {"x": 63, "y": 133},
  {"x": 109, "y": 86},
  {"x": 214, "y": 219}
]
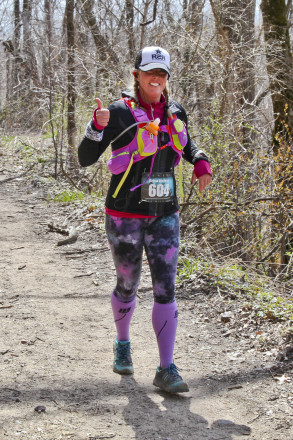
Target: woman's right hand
[{"x": 101, "y": 115}]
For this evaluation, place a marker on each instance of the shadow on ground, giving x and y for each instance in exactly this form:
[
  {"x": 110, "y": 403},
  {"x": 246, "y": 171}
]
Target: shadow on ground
[
  {"x": 172, "y": 419},
  {"x": 151, "y": 413}
]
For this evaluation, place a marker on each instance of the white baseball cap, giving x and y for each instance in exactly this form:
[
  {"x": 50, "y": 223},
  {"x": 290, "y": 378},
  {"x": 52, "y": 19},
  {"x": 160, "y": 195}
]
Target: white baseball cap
[{"x": 153, "y": 57}]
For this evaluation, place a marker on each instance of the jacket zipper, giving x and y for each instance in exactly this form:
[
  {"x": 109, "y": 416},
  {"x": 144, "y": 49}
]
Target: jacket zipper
[{"x": 152, "y": 110}]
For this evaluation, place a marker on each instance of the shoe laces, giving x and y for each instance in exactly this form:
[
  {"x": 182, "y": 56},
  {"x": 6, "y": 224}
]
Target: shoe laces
[
  {"x": 174, "y": 371},
  {"x": 123, "y": 352}
]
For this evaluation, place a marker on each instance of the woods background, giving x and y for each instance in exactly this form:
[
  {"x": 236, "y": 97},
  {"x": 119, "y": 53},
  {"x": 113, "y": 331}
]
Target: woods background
[{"x": 231, "y": 70}]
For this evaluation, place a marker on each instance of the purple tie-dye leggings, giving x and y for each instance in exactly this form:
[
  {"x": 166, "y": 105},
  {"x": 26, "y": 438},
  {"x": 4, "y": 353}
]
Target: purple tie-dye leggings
[{"x": 160, "y": 238}]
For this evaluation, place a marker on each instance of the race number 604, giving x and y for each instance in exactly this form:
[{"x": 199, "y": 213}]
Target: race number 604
[{"x": 159, "y": 190}]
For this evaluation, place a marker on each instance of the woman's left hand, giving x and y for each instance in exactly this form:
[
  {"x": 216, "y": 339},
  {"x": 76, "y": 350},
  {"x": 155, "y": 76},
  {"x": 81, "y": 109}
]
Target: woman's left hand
[{"x": 203, "y": 181}]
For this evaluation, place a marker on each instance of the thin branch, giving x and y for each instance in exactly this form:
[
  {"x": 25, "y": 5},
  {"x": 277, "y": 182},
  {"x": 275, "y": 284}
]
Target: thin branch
[
  {"x": 154, "y": 15},
  {"x": 211, "y": 208},
  {"x": 228, "y": 205},
  {"x": 277, "y": 244},
  {"x": 18, "y": 176}
]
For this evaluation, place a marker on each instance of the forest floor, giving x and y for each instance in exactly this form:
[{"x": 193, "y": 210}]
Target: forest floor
[{"x": 57, "y": 335}]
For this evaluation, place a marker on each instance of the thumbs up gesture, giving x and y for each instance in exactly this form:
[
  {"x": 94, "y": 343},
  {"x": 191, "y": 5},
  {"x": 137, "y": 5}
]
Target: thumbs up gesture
[{"x": 101, "y": 115}]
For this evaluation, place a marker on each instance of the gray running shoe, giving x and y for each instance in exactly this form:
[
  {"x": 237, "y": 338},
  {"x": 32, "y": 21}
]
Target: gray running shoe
[
  {"x": 168, "y": 379},
  {"x": 122, "y": 357}
]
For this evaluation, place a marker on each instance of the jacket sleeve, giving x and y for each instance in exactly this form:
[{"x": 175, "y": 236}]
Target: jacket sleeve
[
  {"x": 95, "y": 141},
  {"x": 191, "y": 152},
  {"x": 91, "y": 146}
]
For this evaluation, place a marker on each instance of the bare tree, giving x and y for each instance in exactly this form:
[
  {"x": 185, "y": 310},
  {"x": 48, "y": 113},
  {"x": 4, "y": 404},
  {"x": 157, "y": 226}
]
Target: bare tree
[
  {"x": 279, "y": 64},
  {"x": 129, "y": 26},
  {"x": 13, "y": 64},
  {"x": 71, "y": 92},
  {"x": 30, "y": 76},
  {"x": 191, "y": 81},
  {"x": 235, "y": 25},
  {"x": 279, "y": 68},
  {"x": 104, "y": 49}
]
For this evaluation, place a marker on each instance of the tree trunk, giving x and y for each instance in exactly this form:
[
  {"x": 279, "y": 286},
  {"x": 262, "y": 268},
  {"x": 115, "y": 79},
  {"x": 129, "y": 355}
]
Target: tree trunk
[
  {"x": 279, "y": 66},
  {"x": 48, "y": 32},
  {"x": 12, "y": 49},
  {"x": 48, "y": 83},
  {"x": 144, "y": 20},
  {"x": 104, "y": 50},
  {"x": 129, "y": 26},
  {"x": 247, "y": 73},
  {"x": 235, "y": 25},
  {"x": 190, "y": 81},
  {"x": 16, "y": 33},
  {"x": 71, "y": 93},
  {"x": 106, "y": 56},
  {"x": 30, "y": 77}
]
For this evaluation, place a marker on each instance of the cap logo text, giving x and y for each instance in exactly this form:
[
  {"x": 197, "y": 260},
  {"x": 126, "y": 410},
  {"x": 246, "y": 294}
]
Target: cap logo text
[{"x": 158, "y": 56}]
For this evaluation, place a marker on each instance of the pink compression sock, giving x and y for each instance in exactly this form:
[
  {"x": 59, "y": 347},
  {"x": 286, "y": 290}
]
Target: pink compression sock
[
  {"x": 165, "y": 324},
  {"x": 122, "y": 315}
]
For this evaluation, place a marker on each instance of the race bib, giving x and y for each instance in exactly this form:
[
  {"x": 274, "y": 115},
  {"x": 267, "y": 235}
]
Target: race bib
[{"x": 159, "y": 188}]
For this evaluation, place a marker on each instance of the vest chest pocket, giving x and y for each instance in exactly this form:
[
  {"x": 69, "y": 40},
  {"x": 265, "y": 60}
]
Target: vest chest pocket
[{"x": 160, "y": 187}]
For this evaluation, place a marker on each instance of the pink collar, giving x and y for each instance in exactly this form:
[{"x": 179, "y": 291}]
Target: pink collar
[{"x": 156, "y": 109}]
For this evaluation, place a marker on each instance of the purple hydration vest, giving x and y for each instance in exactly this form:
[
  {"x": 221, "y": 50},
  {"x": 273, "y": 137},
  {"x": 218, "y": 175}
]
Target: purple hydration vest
[{"x": 144, "y": 143}]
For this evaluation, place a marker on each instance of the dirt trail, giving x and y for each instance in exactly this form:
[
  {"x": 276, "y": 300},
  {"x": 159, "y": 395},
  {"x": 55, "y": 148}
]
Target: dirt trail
[{"x": 56, "y": 350}]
